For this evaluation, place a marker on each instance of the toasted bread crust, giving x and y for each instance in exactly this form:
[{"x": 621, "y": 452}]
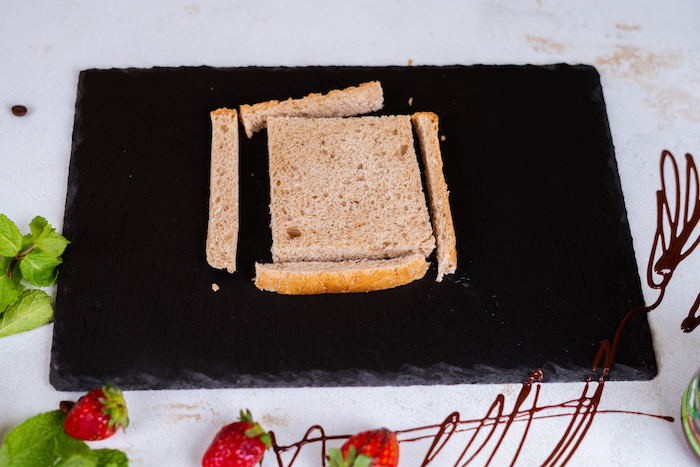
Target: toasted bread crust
[
  {"x": 222, "y": 233},
  {"x": 426, "y": 125},
  {"x": 354, "y": 100},
  {"x": 310, "y": 278}
]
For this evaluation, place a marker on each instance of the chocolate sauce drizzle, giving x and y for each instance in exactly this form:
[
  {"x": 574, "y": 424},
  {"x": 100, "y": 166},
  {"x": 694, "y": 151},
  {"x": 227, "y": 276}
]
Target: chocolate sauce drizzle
[{"x": 483, "y": 438}]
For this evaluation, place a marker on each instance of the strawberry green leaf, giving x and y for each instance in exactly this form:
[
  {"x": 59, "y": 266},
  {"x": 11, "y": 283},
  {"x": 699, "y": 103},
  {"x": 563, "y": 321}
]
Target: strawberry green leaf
[
  {"x": 246, "y": 416},
  {"x": 46, "y": 238},
  {"x": 39, "y": 268},
  {"x": 31, "y": 310},
  {"x": 335, "y": 458},
  {"x": 10, "y": 237},
  {"x": 9, "y": 292},
  {"x": 362, "y": 461}
]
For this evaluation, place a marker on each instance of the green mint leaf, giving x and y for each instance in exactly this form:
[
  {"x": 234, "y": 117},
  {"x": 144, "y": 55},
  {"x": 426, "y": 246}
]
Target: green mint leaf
[
  {"x": 31, "y": 310},
  {"x": 5, "y": 268},
  {"x": 45, "y": 237},
  {"x": 39, "y": 268},
  {"x": 9, "y": 292},
  {"x": 71, "y": 452},
  {"x": 10, "y": 237},
  {"x": 42, "y": 441},
  {"x": 27, "y": 241},
  {"x": 38, "y": 226},
  {"x": 32, "y": 443},
  {"x": 110, "y": 458},
  {"x": 76, "y": 460}
]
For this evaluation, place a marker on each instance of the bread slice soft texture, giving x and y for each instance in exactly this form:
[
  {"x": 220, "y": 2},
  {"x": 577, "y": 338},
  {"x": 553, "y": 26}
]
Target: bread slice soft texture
[
  {"x": 426, "y": 125},
  {"x": 355, "y": 100},
  {"x": 222, "y": 235},
  {"x": 346, "y": 189},
  {"x": 308, "y": 278}
]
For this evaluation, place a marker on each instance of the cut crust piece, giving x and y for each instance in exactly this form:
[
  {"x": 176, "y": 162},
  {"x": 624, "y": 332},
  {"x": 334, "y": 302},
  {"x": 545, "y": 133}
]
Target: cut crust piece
[
  {"x": 355, "y": 100},
  {"x": 426, "y": 125},
  {"x": 346, "y": 189},
  {"x": 222, "y": 235},
  {"x": 310, "y": 278}
]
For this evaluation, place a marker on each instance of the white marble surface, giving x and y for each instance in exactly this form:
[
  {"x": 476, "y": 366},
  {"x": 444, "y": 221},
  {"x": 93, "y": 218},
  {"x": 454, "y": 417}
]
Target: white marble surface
[{"x": 648, "y": 55}]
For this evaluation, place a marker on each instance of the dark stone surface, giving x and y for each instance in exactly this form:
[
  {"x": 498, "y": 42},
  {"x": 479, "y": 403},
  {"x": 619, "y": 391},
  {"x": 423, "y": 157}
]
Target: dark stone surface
[{"x": 546, "y": 264}]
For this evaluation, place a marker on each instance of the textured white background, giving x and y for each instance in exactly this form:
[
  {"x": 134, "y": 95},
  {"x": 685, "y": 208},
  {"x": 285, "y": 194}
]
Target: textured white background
[{"x": 648, "y": 54}]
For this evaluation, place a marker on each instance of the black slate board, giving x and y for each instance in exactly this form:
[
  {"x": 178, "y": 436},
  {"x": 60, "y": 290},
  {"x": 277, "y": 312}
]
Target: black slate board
[{"x": 546, "y": 264}]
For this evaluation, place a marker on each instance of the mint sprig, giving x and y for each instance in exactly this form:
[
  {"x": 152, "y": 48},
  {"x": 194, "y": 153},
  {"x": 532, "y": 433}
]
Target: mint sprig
[
  {"x": 42, "y": 441},
  {"x": 33, "y": 258}
]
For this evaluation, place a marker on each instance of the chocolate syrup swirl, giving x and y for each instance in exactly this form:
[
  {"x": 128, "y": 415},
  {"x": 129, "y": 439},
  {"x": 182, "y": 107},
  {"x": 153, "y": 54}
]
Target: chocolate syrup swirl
[
  {"x": 483, "y": 438},
  {"x": 673, "y": 245}
]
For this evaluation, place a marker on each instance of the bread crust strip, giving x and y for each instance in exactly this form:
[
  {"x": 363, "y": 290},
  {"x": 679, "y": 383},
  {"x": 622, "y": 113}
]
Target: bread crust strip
[
  {"x": 426, "y": 126},
  {"x": 222, "y": 232},
  {"x": 318, "y": 277},
  {"x": 354, "y": 100}
]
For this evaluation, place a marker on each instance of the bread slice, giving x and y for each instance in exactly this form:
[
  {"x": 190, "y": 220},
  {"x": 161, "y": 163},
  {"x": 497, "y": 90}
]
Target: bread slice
[
  {"x": 346, "y": 189},
  {"x": 308, "y": 278},
  {"x": 355, "y": 100},
  {"x": 426, "y": 125},
  {"x": 222, "y": 235}
]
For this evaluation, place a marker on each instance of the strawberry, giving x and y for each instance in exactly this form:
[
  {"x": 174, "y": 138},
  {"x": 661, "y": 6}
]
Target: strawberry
[
  {"x": 240, "y": 444},
  {"x": 97, "y": 415},
  {"x": 376, "y": 448}
]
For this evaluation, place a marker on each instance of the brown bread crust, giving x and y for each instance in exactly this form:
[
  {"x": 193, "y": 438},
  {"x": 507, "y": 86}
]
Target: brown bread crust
[
  {"x": 310, "y": 278},
  {"x": 426, "y": 126},
  {"x": 222, "y": 233},
  {"x": 354, "y": 100}
]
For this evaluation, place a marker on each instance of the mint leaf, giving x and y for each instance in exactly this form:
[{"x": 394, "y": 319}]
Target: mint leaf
[
  {"x": 10, "y": 237},
  {"x": 71, "y": 452},
  {"x": 42, "y": 441},
  {"x": 27, "y": 241},
  {"x": 38, "y": 226},
  {"x": 9, "y": 292},
  {"x": 45, "y": 237},
  {"x": 5, "y": 268},
  {"x": 110, "y": 458},
  {"x": 32, "y": 443},
  {"x": 31, "y": 310},
  {"x": 76, "y": 460},
  {"x": 39, "y": 268}
]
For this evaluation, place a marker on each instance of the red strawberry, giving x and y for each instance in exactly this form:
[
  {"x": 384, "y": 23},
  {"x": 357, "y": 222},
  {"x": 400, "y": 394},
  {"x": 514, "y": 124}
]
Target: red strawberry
[
  {"x": 97, "y": 415},
  {"x": 240, "y": 444},
  {"x": 376, "y": 448}
]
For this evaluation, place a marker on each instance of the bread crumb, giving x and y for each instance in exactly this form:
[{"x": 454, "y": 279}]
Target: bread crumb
[
  {"x": 215, "y": 287},
  {"x": 442, "y": 138},
  {"x": 410, "y": 101},
  {"x": 410, "y": 62}
]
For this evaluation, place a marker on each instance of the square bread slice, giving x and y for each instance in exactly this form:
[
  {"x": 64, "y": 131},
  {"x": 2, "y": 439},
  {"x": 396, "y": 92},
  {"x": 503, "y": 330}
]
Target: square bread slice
[
  {"x": 222, "y": 234},
  {"x": 314, "y": 277},
  {"x": 426, "y": 125},
  {"x": 354, "y": 100},
  {"x": 346, "y": 189}
]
